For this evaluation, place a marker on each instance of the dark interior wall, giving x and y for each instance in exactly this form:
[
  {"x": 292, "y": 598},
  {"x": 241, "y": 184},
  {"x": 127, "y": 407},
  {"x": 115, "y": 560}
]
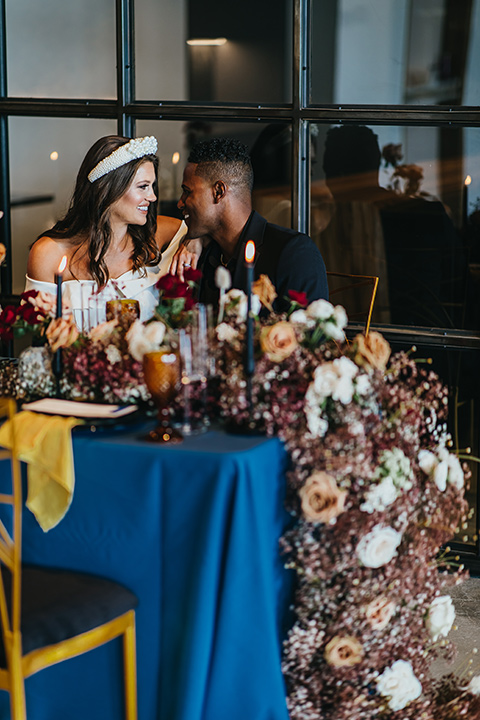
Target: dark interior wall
[{"x": 251, "y": 66}]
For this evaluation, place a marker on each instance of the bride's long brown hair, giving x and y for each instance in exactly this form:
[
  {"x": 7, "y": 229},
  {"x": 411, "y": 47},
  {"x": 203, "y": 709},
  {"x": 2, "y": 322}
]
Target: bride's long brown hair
[{"x": 87, "y": 223}]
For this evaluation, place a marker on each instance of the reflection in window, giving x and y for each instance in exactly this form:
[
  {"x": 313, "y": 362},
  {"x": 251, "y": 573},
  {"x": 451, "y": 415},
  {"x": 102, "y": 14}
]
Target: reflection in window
[
  {"x": 61, "y": 49},
  {"x": 385, "y": 52},
  {"x": 45, "y": 156},
  {"x": 270, "y": 150},
  {"x": 392, "y": 202}
]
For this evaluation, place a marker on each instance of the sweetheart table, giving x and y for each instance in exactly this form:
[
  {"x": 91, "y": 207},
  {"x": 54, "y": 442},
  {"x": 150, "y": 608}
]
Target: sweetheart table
[{"x": 193, "y": 530}]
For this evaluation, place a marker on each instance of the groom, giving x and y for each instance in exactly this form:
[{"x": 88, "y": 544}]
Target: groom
[{"x": 216, "y": 202}]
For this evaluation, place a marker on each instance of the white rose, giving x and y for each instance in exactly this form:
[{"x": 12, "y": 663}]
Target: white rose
[
  {"x": 427, "y": 461},
  {"x": 234, "y": 294},
  {"x": 155, "y": 333},
  {"x": 320, "y": 310},
  {"x": 325, "y": 380},
  {"x": 440, "y": 475},
  {"x": 362, "y": 384},
  {"x": 343, "y": 390},
  {"x": 332, "y": 331},
  {"x": 441, "y": 616},
  {"x": 226, "y": 332},
  {"x": 136, "y": 341},
  {"x": 317, "y": 425},
  {"x": 380, "y": 496},
  {"x": 379, "y": 546},
  {"x": 474, "y": 685},
  {"x": 455, "y": 472},
  {"x": 345, "y": 366},
  {"x": 399, "y": 684},
  {"x": 299, "y": 317},
  {"x": 144, "y": 338},
  {"x": 340, "y": 316}
]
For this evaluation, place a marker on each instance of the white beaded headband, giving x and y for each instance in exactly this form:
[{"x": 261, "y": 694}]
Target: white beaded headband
[{"x": 136, "y": 148}]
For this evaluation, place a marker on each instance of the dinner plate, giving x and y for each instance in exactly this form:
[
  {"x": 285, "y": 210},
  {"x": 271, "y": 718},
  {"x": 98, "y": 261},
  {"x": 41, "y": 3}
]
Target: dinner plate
[{"x": 83, "y": 410}]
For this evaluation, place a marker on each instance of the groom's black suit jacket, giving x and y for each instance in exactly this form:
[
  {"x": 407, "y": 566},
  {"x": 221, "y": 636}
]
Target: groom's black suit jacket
[{"x": 289, "y": 258}]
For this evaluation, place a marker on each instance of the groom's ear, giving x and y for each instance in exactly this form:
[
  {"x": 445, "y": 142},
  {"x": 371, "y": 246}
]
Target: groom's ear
[{"x": 219, "y": 191}]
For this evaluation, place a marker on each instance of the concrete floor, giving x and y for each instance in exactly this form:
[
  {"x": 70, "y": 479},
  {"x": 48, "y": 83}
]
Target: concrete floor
[{"x": 466, "y": 631}]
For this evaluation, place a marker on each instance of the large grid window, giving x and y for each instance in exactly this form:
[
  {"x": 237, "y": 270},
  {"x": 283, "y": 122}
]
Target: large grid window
[{"x": 362, "y": 117}]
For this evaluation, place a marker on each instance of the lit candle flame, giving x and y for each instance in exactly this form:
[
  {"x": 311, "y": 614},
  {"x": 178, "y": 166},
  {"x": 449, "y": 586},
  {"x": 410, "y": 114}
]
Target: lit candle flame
[
  {"x": 250, "y": 251},
  {"x": 63, "y": 265},
  {"x": 468, "y": 180},
  {"x": 175, "y": 158}
]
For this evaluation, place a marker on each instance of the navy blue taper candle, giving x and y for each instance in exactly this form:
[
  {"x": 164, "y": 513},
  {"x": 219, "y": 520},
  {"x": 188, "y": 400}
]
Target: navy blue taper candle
[
  {"x": 57, "y": 358},
  {"x": 249, "y": 349},
  {"x": 58, "y": 280}
]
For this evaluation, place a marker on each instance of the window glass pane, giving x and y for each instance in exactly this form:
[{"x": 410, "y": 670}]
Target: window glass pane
[
  {"x": 458, "y": 370},
  {"x": 269, "y": 146},
  {"x": 61, "y": 49},
  {"x": 388, "y": 52},
  {"x": 252, "y": 65},
  {"x": 393, "y": 202},
  {"x": 41, "y": 186}
]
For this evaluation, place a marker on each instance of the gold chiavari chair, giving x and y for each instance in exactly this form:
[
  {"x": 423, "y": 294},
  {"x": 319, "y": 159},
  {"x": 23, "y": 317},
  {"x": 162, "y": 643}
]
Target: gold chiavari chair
[
  {"x": 351, "y": 293},
  {"x": 49, "y": 615}
]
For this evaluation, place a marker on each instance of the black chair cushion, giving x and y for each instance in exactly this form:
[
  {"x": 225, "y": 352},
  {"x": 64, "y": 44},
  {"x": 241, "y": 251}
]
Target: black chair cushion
[{"x": 60, "y": 604}]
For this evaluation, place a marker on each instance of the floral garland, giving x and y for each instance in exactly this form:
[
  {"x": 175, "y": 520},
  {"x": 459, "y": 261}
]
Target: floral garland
[{"x": 374, "y": 490}]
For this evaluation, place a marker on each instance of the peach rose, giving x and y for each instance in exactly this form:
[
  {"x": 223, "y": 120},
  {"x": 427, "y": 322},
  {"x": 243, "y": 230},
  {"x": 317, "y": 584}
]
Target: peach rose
[
  {"x": 61, "y": 332},
  {"x": 265, "y": 290},
  {"x": 44, "y": 301},
  {"x": 321, "y": 498},
  {"x": 278, "y": 341},
  {"x": 343, "y": 651},
  {"x": 103, "y": 331},
  {"x": 3, "y": 251},
  {"x": 379, "y": 612},
  {"x": 372, "y": 350}
]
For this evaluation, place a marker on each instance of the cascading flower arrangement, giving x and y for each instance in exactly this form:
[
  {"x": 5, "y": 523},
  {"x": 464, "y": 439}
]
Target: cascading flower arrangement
[{"x": 375, "y": 492}]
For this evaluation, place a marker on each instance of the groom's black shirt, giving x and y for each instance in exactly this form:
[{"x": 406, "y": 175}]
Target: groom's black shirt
[{"x": 289, "y": 258}]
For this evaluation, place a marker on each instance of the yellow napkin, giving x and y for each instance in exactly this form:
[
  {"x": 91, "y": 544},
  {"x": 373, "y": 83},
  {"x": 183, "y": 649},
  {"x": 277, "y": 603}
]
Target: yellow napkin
[{"x": 45, "y": 443}]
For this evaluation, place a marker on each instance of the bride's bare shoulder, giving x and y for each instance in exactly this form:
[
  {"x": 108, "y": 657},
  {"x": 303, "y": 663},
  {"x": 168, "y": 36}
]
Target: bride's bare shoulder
[
  {"x": 44, "y": 258},
  {"x": 167, "y": 227}
]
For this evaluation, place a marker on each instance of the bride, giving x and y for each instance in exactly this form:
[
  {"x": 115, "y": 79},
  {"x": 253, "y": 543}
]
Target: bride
[{"x": 115, "y": 245}]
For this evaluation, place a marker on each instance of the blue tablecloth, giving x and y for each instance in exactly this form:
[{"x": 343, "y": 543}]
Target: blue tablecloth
[{"x": 193, "y": 530}]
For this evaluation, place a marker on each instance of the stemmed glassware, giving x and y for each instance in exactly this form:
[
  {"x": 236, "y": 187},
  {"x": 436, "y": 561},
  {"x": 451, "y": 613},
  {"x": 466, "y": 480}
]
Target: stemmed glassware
[
  {"x": 161, "y": 369},
  {"x": 195, "y": 369}
]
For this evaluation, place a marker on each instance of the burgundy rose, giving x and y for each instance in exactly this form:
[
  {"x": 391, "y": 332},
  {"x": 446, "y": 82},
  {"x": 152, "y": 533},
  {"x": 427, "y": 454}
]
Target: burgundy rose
[
  {"x": 180, "y": 290},
  {"x": 192, "y": 275},
  {"x": 299, "y": 297},
  {"x": 30, "y": 315},
  {"x": 166, "y": 283},
  {"x": 189, "y": 303},
  {"x": 8, "y": 315},
  {"x": 27, "y": 295}
]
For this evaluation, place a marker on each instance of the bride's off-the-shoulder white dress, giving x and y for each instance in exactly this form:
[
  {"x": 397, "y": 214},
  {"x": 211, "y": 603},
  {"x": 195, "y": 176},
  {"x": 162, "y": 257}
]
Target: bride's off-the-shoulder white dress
[{"x": 82, "y": 295}]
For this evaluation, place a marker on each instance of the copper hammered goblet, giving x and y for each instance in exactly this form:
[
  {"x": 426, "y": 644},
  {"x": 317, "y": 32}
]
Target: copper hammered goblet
[{"x": 162, "y": 377}]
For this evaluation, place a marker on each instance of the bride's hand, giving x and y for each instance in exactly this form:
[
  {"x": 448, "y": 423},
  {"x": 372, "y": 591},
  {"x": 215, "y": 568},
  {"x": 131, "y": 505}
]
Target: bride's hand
[{"x": 186, "y": 256}]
